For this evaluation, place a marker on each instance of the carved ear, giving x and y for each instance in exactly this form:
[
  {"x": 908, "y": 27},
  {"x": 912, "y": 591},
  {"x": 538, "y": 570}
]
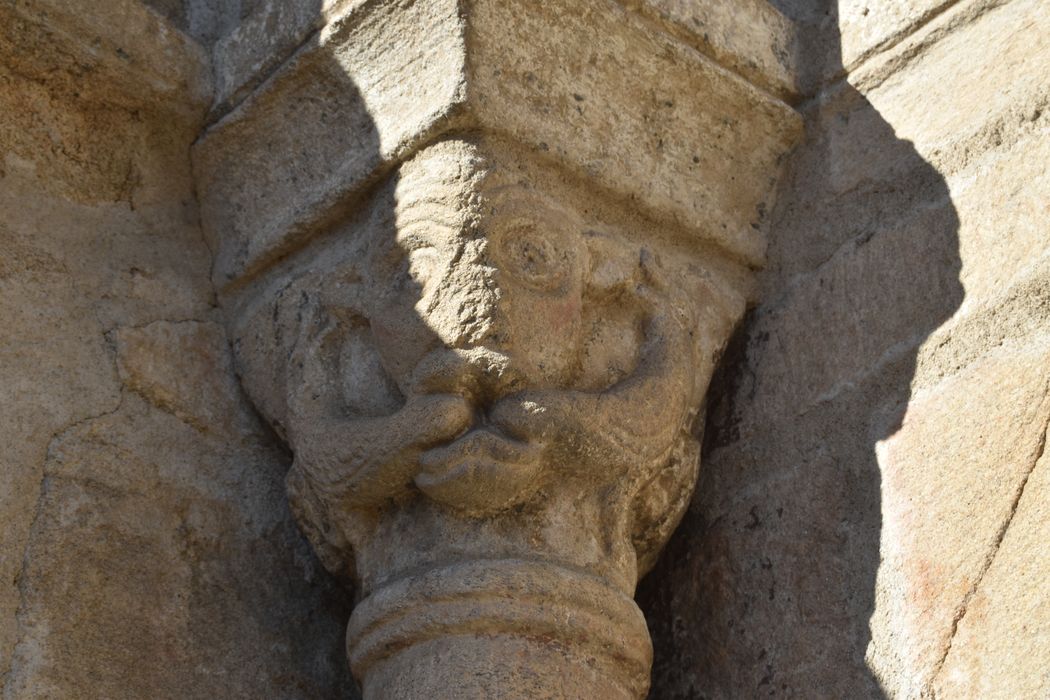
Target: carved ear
[
  {"x": 335, "y": 352},
  {"x": 269, "y": 333}
]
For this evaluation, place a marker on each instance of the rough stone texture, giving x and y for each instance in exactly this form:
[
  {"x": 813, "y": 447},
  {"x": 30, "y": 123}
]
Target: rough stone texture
[
  {"x": 948, "y": 493},
  {"x": 1000, "y": 646},
  {"x": 871, "y": 517},
  {"x": 749, "y": 37},
  {"x": 484, "y": 328},
  {"x": 145, "y": 547},
  {"x": 887, "y": 401},
  {"x": 392, "y": 86},
  {"x": 266, "y": 35}
]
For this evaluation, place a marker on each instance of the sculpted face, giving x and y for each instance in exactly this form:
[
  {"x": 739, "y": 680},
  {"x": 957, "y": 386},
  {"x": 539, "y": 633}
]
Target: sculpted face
[
  {"x": 488, "y": 379},
  {"x": 486, "y": 347},
  {"x": 474, "y": 309},
  {"x": 481, "y": 307}
]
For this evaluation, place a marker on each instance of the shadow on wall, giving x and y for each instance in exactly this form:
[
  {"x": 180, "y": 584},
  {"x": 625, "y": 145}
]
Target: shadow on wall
[
  {"x": 311, "y": 626},
  {"x": 768, "y": 586}
]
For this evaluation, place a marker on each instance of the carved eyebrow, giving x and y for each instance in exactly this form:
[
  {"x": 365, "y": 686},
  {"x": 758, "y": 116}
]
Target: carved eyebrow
[{"x": 417, "y": 234}]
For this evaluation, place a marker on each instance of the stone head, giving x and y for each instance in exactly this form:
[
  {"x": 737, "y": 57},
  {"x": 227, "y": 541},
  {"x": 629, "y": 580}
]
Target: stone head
[
  {"x": 486, "y": 364},
  {"x": 494, "y": 341}
]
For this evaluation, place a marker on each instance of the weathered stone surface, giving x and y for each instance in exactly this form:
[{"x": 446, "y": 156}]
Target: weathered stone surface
[
  {"x": 484, "y": 328},
  {"x": 949, "y": 489},
  {"x": 1005, "y": 53},
  {"x": 141, "y": 575},
  {"x": 168, "y": 363},
  {"x": 1001, "y": 647},
  {"x": 905, "y": 304},
  {"x": 61, "y": 293},
  {"x": 265, "y": 36},
  {"x": 848, "y": 37},
  {"x": 115, "y": 52},
  {"x": 207, "y": 21},
  {"x": 372, "y": 87},
  {"x": 868, "y": 26},
  {"x": 139, "y": 496},
  {"x": 359, "y": 104},
  {"x": 749, "y": 37},
  {"x": 869, "y": 153}
]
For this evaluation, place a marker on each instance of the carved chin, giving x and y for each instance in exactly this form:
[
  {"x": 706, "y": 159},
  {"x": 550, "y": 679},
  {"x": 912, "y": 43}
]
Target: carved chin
[{"x": 480, "y": 472}]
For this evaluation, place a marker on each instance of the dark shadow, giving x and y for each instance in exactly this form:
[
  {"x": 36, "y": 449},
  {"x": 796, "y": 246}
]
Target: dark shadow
[
  {"x": 768, "y": 587},
  {"x": 299, "y": 609}
]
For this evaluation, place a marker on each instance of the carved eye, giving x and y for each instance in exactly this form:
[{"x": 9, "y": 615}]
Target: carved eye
[{"x": 534, "y": 257}]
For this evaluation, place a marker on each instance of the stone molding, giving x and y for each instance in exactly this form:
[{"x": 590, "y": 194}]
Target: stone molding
[{"x": 477, "y": 271}]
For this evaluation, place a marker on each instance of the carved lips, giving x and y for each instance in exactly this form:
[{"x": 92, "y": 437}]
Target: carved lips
[{"x": 482, "y": 471}]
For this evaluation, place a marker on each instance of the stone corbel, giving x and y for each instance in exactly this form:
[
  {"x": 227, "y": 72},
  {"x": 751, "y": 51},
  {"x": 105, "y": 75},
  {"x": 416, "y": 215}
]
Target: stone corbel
[{"x": 478, "y": 261}]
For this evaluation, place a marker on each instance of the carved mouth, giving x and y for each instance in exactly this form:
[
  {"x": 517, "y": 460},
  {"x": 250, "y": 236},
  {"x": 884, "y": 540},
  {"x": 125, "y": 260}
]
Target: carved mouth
[{"x": 481, "y": 471}]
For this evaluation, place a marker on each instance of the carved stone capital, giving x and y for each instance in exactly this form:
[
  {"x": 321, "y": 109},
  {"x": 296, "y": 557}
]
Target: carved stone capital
[{"x": 479, "y": 260}]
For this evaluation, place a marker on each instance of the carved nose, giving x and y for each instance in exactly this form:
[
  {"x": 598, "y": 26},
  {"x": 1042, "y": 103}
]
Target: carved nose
[
  {"x": 481, "y": 374},
  {"x": 473, "y": 310}
]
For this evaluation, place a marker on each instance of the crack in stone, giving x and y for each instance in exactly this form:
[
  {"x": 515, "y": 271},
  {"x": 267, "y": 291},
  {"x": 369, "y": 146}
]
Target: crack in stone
[
  {"x": 21, "y": 577},
  {"x": 1037, "y": 454},
  {"x": 152, "y": 398}
]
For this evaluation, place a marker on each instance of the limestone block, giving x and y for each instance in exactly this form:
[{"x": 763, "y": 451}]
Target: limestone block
[
  {"x": 168, "y": 363},
  {"x": 128, "y": 535},
  {"x": 964, "y": 242},
  {"x": 650, "y": 91},
  {"x": 866, "y": 26},
  {"x": 141, "y": 577},
  {"x": 57, "y": 364},
  {"x": 261, "y": 41},
  {"x": 116, "y": 51},
  {"x": 1001, "y": 648},
  {"x": 391, "y": 87},
  {"x": 880, "y": 292},
  {"x": 872, "y": 159},
  {"x": 356, "y": 103},
  {"x": 952, "y": 116},
  {"x": 1009, "y": 317},
  {"x": 909, "y": 275},
  {"x": 768, "y": 585},
  {"x": 950, "y": 483},
  {"x": 77, "y": 370},
  {"x": 1001, "y": 199},
  {"x": 749, "y": 37}
]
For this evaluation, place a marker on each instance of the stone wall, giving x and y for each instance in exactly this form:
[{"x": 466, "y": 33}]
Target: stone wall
[
  {"x": 871, "y": 519},
  {"x": 146, "y": 549}
]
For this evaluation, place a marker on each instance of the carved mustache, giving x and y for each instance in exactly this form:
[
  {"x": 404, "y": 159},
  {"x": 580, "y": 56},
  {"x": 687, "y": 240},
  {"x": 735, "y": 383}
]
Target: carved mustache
[{"x": 480, "y": 375}]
